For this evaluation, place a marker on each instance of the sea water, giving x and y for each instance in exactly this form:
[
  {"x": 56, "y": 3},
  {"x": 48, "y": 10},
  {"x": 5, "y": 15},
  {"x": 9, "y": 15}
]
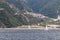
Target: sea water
[{"x": 17, "y": 34}]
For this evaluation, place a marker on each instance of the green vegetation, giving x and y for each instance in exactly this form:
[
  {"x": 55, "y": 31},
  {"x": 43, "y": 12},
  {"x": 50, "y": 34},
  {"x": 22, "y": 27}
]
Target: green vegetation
[
  {"x": 45, "y": 22},
  {"x": 8, "y": 18},
  {"x": 3, "y": 0},
  {"x": 46, "y": 7}
]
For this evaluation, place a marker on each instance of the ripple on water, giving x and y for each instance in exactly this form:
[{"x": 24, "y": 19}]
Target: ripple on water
[{"x": 29, "y": 35}]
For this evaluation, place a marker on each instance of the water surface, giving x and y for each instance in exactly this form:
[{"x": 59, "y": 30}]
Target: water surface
[{"x": 11, "y": 34}]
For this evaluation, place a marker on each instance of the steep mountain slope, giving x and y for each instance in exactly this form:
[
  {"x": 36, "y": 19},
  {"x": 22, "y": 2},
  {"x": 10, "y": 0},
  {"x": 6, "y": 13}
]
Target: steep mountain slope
[
  {"x": 20, "y": 4},
  {"x": 8, "y": 18},
  {"x": 15, "y": 13},
  {"x": 46, "y": 7}
]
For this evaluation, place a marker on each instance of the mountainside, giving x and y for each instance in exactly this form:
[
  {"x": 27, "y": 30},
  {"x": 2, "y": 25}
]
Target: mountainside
[
  {"x": 20, "y": 4},
  {"x": 46, "y": 7},
  {"x": 8, "y": 18},
  {"x": 15, "y": 13}
]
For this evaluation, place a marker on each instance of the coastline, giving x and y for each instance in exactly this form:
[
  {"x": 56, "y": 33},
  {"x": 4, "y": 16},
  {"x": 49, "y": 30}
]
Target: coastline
[{"x": 29, "y": 29}]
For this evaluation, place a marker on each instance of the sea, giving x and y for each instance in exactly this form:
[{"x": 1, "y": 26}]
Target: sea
[{"x": 29, "y": 34}]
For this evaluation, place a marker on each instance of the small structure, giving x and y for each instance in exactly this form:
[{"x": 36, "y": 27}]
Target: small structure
[
  {"x": 29, "y": 27},
  {"x": 58, "y": 17},
  {"x": 54, "y": 19},
  {"x": 53, "y": 26},
  {"x": 16, "y": 13},
  {"x": 1, "y": 8},
  {"x": 38, "y": 24}
]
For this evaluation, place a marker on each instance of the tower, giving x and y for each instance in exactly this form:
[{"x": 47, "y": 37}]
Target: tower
[{"x": 58, "y": 15}]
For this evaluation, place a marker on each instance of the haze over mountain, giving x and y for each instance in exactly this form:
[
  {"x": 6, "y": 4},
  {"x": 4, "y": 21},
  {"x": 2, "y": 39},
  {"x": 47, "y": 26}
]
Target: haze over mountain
[{"x": 46, "y": 7}]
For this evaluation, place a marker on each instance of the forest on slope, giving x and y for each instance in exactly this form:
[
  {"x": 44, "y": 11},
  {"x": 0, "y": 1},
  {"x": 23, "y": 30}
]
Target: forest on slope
[{"x": 8, "y": 18}]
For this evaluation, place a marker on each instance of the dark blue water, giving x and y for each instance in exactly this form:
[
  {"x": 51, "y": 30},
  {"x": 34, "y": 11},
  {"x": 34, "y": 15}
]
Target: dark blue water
[{"x": 29, "y": 34}]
